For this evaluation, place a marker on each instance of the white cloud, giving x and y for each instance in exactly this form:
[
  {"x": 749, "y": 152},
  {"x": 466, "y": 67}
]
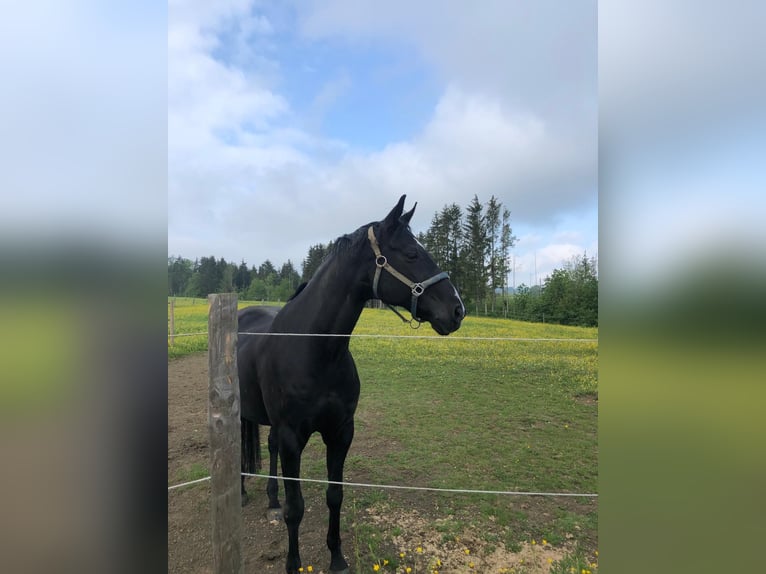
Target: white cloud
[
  {"x": 532, "y": 53},
  {"x": 670, "y": 70},
  {"x": 247, "y": 180},
  {"x": 82, "y": 109},
  {"x": 472, "y": 144}
]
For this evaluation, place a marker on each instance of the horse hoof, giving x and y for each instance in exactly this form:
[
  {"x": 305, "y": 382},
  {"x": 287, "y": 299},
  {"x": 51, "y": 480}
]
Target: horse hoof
[{"x": 274, "y": 515}]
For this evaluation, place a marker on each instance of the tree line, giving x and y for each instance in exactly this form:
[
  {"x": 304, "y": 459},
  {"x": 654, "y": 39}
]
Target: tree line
[
  {"x": 569, "y": 296},
  {"x": 207, "y": 275},
  {"x": 473, "y": 245}
]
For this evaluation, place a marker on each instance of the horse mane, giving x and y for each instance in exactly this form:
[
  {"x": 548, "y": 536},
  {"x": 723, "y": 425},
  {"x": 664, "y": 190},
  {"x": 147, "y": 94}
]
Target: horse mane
[
  {"x": 339, "y": 248},
  {"x": 300, "y": 288},
  {"x": 347, "y": 242}
]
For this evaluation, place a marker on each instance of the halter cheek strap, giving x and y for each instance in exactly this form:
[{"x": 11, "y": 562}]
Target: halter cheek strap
[{"x": 417, "y": 288}]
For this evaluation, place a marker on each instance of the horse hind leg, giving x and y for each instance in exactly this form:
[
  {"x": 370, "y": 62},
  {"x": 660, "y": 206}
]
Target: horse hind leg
[
  {"x": 274, "y": 513},
  {"x": 251, "y": 453}
]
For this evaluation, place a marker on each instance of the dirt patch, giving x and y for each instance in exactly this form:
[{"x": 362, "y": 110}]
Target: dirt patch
[
  {"x": 589, "y": 399},
  {"x": 189, "y": 525},
  {"x": 422, "y": 524},
  {"x": 462, "y": 552}
]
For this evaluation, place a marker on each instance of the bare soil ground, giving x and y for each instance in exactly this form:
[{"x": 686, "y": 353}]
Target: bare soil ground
[
  {"x": 189, "y": 527},
  {"x": 419, "y": 526}
]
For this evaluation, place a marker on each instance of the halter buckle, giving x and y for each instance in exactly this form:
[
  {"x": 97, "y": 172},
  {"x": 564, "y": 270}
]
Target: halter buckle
[{"x": 417, "y": 289}]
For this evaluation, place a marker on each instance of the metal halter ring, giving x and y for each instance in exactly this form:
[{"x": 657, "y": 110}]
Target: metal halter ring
[
  {"x": 381, "y": 261},
  {"x": 417, "y": 289}
]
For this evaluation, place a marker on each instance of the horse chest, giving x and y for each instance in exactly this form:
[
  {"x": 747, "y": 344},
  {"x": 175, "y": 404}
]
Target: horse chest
[{"x": 312, "y": 393}]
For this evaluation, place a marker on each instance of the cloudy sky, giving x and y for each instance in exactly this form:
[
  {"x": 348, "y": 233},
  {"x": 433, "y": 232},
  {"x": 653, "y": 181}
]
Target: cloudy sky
[
  {"x": 291, "y": 123},
  {"x": 682, "y": 138}
]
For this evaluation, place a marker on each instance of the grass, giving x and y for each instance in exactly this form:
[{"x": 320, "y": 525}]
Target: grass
[
  {"x": 42, "y": 357},
  {"x": 192, "y": 472},
  {"x": 488, "y": 415},
  {"x": 191, "y": 319}
]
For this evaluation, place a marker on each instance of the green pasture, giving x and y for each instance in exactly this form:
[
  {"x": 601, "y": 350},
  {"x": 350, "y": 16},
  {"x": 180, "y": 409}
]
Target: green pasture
[{"x": 507, "y": 415}]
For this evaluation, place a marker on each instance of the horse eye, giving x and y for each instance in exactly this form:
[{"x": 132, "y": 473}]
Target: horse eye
[{"x": 411, "y": 254}]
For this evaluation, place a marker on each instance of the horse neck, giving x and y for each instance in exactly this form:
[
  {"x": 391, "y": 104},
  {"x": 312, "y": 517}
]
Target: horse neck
[{"x": 334, "y": 298}]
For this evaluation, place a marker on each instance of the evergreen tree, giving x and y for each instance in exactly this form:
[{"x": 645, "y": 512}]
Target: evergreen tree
[
  {"x": 474, "y": 250},
  {"x": 494, "y": 256},
  {"x": 507, "y": 241},
  {"x": 179, "y": 274},
  {"x": 242, "y": 278},
  {"x": 289, "y": 274},
  {"x": 266, "y": 269},
  {"x": 452, "y": 217},
  {"x": 313, "y": 260},
  {"x": 209, "y": 275},
  {"x": 227, "y": 272}
]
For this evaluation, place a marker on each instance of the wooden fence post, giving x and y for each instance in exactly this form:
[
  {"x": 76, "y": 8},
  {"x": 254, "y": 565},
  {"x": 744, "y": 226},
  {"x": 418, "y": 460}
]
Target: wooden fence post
[{"x": 224, "y": 423}]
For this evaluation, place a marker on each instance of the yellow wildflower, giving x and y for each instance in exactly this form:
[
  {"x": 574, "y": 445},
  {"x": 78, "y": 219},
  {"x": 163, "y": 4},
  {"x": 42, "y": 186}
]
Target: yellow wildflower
[
  {"x": 402, "y": 554},
  {"x": 545, "y": 542},
  {"x": 385, "y": 562},
  {"x": 533, "y": 542},
  {"x": 376, "y": 567},
  {"x": 408, "y": 570},
  {"x": 467, "y": 551},
  {"x": 310, "y": 568},
  {"x": 470, "y": 564},
  {"x": 419, "y": 550}
]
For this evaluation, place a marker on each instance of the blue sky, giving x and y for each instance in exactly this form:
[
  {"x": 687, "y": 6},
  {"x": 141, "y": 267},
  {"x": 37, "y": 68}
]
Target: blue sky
[{"x": 292, "y": 123}]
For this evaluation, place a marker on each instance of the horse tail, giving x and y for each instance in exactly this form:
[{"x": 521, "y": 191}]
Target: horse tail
[{"x": 251, "y": 446}]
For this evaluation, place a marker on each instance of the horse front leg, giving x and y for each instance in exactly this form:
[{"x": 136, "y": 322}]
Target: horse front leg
[
  {"x": 272, "y": 486},
  {"x": 290, "y": 449},
  {"x": 337, "y": 449}
]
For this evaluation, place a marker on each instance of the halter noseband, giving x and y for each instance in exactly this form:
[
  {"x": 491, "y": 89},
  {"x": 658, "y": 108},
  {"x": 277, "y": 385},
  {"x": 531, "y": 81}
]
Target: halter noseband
[{"x": 417, "y": 288}]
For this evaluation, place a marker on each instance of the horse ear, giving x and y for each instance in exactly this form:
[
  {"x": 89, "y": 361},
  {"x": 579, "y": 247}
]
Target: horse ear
[
  {"x": 392, "y": 219},
  {"x": 407, "y": 216}
]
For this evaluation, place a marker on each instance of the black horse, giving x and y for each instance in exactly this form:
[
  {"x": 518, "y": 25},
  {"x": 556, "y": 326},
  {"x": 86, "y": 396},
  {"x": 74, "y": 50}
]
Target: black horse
[{"x": 301, "y": 385}]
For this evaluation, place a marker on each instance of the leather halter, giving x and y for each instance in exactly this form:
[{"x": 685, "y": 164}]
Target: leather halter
[{"x": 417, "y": 288}]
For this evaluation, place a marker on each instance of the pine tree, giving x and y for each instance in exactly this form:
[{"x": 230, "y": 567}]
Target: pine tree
[
  {"x": 313, "y": 260},
  {"x": 507, "y": 241},
  {"x": 493, "y": 230},
  {"x": 242, "y": 278},
  {"x": 452, "y": 217},
  {"x": 474, "y": 251}
]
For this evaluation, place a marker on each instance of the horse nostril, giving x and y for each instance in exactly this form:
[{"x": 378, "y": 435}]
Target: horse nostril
[{"x": 459, "y": 312}]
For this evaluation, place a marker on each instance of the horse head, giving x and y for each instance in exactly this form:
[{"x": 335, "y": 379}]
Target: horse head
[{"x": 406, "y": 275}]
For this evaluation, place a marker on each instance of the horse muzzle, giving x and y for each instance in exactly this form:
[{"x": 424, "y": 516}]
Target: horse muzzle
[{"x": 445, "y": 316}]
